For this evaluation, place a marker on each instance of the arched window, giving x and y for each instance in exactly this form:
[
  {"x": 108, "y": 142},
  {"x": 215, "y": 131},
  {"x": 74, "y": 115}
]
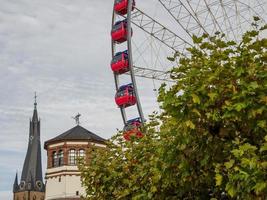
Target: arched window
[
  {"x": 60, "y": 158},
  {"x": 72, "y": 157},
  {"x": 54, "y": 159},
  {"x": 81, "y": 153}
]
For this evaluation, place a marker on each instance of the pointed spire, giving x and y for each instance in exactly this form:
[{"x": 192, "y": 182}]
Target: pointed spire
[
  {"x": 32, "y": 168},
  {"x": 35, "y": 100},
  {"x": 16, "y": 185},
  {"x": 35, "y": 114}
]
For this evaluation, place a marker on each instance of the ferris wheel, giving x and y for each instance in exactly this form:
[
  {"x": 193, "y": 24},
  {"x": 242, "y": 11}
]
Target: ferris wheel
[{"x": 145, "y": 33}]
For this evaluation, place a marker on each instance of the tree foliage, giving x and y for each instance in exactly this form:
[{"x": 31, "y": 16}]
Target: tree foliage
[{"x": 210, "y": 142}]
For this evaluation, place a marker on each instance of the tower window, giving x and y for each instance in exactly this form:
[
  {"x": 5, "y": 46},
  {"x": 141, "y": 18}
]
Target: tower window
[
  {"x": 81, "y": 153},
  {"x": 60, "y": 158},
  {"x": 72, "y": 157},
  {"x": 54, "y": 160},
  {"x": 77, "y": 193}
]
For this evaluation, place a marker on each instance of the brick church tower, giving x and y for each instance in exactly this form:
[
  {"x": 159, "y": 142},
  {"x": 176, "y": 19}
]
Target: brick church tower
[{"x": 31, "y": 186}]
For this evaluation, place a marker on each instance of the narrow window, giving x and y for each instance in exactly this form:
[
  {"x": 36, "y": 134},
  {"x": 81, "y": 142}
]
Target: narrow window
[
  {"x": 72, "y": 157},
  {"x": 77, "y": 193},
  {"x": 81, "y": 153},
  {"x": 54, "y": 159},
  {"x": 60, "y": 158}
]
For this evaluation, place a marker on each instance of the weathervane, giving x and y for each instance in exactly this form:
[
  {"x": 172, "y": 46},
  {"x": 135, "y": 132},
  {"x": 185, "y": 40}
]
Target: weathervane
[{"x": 77, "y": 118}]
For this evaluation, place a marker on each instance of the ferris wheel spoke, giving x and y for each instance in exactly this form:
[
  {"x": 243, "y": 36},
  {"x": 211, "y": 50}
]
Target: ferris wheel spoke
[
  {"x": 242, "y": 11},
  {"x": 215, "y": 21},
  {"x": 171, "y": 10},
  {"x": 260, "y": 4},
  {"x": 152, "y": 74},
  {"x": 206, "y": 13},
  {"x": 227, "y": 19},
  {"x": 182, "y": 15},
  {"x": 158, "y": 31},
  {"x": 209, "y": 15}
]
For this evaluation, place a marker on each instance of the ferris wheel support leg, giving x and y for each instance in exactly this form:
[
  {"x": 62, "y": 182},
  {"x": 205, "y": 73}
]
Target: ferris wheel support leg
[{"x": 129, "y": 44}]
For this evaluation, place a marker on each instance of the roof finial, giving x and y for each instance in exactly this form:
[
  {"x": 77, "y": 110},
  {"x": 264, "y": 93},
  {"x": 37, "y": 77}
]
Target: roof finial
[
  {"x": 35, "y": 100},
  {"x": 77, "y": 118}
]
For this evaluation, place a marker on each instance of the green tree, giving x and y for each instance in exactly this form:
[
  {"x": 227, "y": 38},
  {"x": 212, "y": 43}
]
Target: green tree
[{"x": 210, "y": 142}]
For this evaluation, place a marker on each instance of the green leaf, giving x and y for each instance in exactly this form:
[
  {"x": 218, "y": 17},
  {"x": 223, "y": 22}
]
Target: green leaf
[
  {"x": 196, "y": 111},
  {"x": 230, "y": 190},
  {"x": 196, "y": 39},
  {"x": 190, "y": 124},
  {"x": 264, "y": 147},
  {"x": 195, "y": 98},
  {"x": 259, "y": 187},
  {"x": 212, "y": 95},
  {"x": 256, "y": 18},
  {"x": 218, "y": 179},
  {"x": 153, "y": 189},
  {"x": 240, "y": 106},
  {"x": 229, "y": 164},
  {"x": 171, "y": 59},
  {"x": 254, "y": 85},
  {"x": 262, "y": 124}
]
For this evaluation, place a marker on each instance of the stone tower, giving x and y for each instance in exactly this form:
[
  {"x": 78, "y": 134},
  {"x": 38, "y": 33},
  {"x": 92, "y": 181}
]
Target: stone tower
[
  {"x": 31, "y": 186},
  {"x": 63, "y": 179}
]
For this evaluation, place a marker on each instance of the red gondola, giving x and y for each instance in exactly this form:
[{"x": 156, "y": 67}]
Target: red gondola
[
  {"x": 120, "y": 6},
  {"x": 132, "y": 129},
  {"x": 125, "y": 96},
  {"x": 119, "y": 31},
  {"x": 120, "y": 63}
]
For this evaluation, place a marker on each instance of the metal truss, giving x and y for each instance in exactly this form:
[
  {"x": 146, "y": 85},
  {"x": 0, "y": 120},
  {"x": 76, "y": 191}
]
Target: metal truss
[
  {"x": 152, "y": 74},
  {"x": 194, "y": 17},
  {"x": 231, "y": 17},
  {"x": 158, "y": 31}
]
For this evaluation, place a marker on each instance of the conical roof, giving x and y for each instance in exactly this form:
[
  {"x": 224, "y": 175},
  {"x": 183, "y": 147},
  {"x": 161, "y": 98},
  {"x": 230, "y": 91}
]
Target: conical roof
[{"x": 76, "y": 133}]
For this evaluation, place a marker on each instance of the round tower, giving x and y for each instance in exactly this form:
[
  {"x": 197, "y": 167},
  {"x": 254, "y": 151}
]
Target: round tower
[{"x": 62, "y": 176}]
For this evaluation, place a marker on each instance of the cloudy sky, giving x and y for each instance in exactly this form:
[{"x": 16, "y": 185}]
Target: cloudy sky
[{"x": 61, "y": 50}]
